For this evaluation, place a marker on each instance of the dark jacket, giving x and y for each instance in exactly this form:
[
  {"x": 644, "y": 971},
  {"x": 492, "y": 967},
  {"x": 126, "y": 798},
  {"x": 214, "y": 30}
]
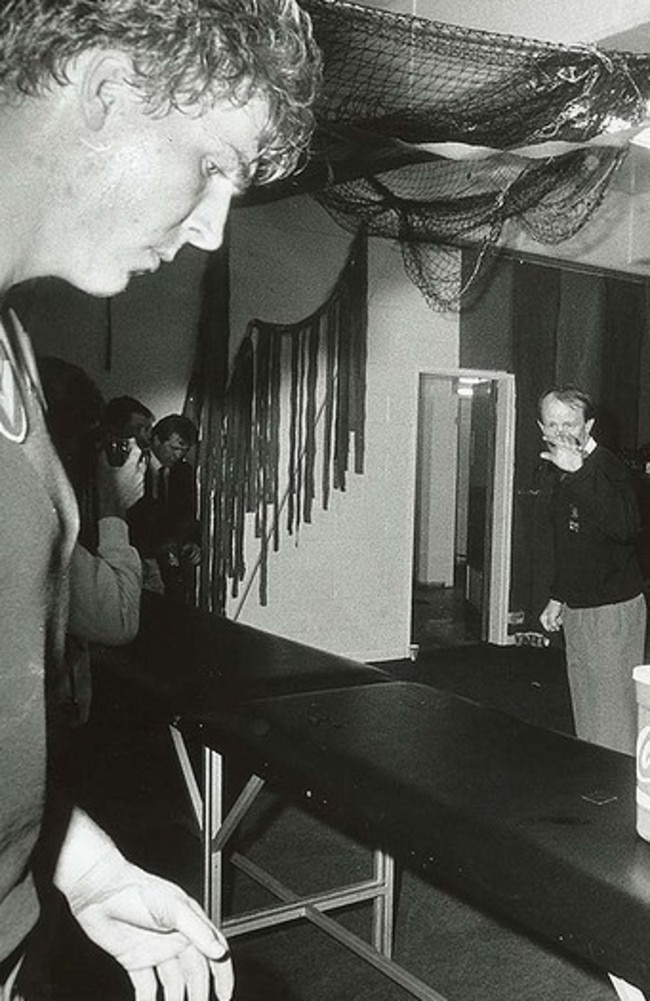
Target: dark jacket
[
  {"x": 157, "y": 521},
  {"x": 595, "y": 522}
]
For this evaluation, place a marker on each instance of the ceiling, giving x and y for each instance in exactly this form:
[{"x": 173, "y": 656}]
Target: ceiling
[
  {"x": 622, "y": 25},
  {"x": 553, "y": 20},
  {"x": 616, "y": 24}
]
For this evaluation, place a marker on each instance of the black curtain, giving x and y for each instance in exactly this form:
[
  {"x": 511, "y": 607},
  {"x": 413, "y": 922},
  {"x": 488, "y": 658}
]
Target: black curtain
[
  {"x": 551, "y": 325},
  {"x": 205, "y": 403}
]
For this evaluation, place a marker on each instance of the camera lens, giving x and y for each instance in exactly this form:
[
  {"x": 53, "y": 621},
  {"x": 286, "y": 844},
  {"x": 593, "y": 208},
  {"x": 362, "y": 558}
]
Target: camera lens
[{"x": 117, "y": 451}]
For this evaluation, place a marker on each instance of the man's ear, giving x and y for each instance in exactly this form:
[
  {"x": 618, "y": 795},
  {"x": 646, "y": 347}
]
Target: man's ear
[
  {"x": 589, "y": 424},
  {"x": 104, "y": 85}
]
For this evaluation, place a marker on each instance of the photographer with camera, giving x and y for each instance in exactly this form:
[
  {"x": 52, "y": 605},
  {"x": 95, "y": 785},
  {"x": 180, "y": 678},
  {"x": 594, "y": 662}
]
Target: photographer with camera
[
  {"x": 126, "y": 418},
  {"x": 105, "y": 586},
  {"x": 105, "y": 570}
]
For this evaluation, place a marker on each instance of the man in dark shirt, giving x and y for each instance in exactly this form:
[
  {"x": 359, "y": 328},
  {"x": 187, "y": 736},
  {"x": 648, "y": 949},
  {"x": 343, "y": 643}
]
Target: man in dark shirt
[
  {"x": 163, "y": 524},
  {"x": 596, "y": 595}
]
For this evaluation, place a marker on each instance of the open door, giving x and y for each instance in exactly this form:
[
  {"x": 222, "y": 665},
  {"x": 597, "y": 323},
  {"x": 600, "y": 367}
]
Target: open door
[
  {"x": 480, "y": 491},
  {"x": 464, "y": 489}
]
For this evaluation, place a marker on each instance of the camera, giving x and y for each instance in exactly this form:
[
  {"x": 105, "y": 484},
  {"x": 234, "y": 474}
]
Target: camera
[{"x": 117, "y": 451}]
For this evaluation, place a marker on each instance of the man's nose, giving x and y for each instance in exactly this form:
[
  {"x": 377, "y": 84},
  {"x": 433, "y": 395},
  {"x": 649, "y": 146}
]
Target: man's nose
[{"x": 205, "y": 224}]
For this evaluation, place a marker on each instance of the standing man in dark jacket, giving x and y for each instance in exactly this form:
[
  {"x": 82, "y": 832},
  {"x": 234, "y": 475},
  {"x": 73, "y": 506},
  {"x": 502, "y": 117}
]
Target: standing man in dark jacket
[
  {"x": 597, "y": 595},
  {"x": 163, "y": 524}
]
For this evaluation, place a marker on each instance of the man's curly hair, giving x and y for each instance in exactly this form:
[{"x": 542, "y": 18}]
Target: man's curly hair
[{"x": 185, "y": 54}]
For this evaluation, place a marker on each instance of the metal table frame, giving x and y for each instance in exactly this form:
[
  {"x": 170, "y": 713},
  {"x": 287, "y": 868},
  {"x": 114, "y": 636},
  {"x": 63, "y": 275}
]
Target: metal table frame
[{"x": 219, "y": 826}]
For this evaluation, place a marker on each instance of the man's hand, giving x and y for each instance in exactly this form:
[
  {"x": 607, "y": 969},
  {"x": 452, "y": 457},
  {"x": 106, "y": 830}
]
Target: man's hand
[
  {"x": 119, "y": 487},
  {"x": 158, "y": 934},
  {"x": 565, "y": 451},
  {"x": 151, "y": 927},
  {"x": 551, "y": 617}
]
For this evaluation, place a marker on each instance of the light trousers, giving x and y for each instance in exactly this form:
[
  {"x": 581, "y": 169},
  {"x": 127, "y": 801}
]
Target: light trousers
[{"x": 603, "y": 646}]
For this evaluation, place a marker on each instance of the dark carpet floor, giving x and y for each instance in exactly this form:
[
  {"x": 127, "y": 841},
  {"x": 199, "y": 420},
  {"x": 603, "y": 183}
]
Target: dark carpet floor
[
  {"x": 126, "y": 774},
  {"x": 527, "y": 682}
]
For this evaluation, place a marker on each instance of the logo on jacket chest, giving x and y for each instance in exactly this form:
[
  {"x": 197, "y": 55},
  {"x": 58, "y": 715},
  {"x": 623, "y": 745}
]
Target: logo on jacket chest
[{"x": 574, "y": 518}]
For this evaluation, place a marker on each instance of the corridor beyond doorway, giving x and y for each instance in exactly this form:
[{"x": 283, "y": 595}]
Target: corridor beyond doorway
[
  {"x": 463, "y": 506},
  {"x": 442, "y": 616}
]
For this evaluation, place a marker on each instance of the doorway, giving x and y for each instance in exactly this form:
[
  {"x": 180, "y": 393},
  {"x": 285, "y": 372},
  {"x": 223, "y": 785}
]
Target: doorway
[{"x": 463, "y": 508}]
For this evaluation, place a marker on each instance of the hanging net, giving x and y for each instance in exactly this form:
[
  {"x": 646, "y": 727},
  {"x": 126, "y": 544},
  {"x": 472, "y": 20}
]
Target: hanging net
[{"x": 459, "y": 130}]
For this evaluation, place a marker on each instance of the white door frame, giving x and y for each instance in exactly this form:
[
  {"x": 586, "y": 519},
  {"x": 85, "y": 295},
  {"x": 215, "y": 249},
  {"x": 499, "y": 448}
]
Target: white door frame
[{"x": 504, "y": 463}]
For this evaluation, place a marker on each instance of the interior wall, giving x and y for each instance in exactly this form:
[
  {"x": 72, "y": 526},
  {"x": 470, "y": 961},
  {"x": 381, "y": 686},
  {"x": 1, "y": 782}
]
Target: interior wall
[
  {"x": 140, "y": 343},
  {"x": 154, "y": 334},
  {"x": 616, "y": 237},
  {"x": 285, "y": 258},
  {"x": 345, "y": 583},
  {"x": 555, "y": 20},
  {"x": 64, "y": 322},
  {"x": 437, "y": 461},
  {"x": 353, "y": 566}
]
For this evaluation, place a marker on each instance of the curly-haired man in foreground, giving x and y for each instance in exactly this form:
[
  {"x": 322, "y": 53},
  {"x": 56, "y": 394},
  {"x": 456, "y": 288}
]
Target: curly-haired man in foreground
[{"x": 128, "y": 126}]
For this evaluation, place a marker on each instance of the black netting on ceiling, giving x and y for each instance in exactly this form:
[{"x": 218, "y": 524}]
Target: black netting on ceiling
[
  {"x": 423, "y": 81},
  {"x": 409, "y": 85},
  {"x": 434, "y": 208}
]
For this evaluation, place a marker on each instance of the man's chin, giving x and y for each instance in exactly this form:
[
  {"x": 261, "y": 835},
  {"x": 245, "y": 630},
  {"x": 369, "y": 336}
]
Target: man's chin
[
  {"x": 97, "y": 289},
  {"x": 104, "y": 285}
]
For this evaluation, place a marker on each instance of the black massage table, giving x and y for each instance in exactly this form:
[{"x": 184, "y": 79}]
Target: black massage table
[
  {"x": 532, "y": 825},
  {"x": 186, "y": 658}
]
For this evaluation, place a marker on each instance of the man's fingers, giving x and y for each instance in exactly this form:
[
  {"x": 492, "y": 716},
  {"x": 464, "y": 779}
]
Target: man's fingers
[
  {"x": 145, "y": 985},
  {"x": 173, "y": 981},
  {"x": 188, "y": 977},
  {"x": 223, "y": 978},
  {"x": 196, "y": 975},
  {"x": 197, "y": 927},
  {"x": 191, "y": 921}
]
